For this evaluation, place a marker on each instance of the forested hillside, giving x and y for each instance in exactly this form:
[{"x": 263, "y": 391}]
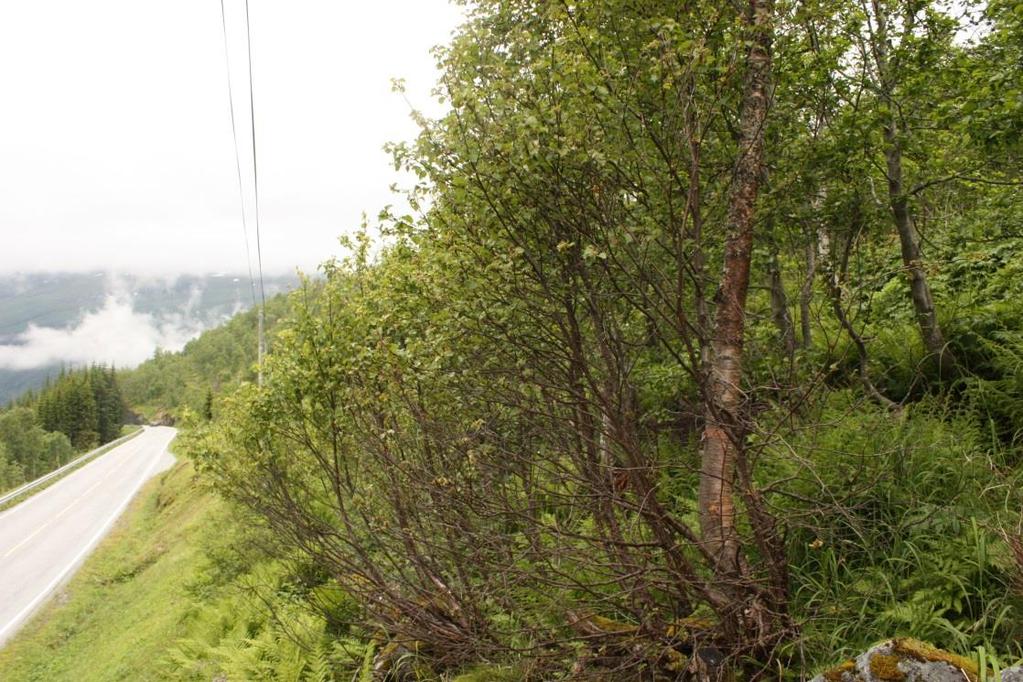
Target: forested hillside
[
  {"x": 699, "y": 359},
  {"x": 76, "y": 412},
  {"x": 173, "y": 382}
]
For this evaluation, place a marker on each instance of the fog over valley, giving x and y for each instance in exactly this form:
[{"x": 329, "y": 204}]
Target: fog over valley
[{"x": 72, "y": 319}]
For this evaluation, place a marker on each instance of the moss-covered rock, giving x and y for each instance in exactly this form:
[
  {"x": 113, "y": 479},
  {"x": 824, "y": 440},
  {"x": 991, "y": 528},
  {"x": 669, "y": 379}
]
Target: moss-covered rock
[{"x": 910, "y": 660}]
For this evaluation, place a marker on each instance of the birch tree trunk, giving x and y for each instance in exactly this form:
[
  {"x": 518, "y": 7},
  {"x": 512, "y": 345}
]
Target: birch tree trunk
[{"x": 722, "y": 434}]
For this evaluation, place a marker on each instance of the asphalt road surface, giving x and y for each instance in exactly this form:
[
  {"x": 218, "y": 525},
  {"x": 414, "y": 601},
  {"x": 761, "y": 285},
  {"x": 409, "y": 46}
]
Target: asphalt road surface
[{"x": 46, "y": 537}]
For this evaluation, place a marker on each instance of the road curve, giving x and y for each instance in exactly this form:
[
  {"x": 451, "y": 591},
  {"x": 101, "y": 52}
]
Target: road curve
[{"x": 46, "y": 537}]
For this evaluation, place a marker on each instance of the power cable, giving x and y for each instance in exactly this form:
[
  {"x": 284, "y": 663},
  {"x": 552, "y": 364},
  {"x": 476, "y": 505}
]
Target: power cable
[
  {"x": 261, "y": 306},
  {"x": 237, "y": 155},
  {"x": 255, "y": 186},
  {"x": 255, "y": 166}
]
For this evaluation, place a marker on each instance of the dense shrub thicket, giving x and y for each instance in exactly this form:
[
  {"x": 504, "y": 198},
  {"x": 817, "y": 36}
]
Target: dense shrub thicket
[{"x": 700, "y": 354}]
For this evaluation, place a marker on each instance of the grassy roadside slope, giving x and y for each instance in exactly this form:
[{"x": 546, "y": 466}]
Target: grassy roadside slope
[
  {"x": 167, "y": 596},
  {"x": 127, "y": 604}
]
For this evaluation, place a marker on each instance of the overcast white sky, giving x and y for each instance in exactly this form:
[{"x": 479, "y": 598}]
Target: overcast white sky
[{"x": 115, "y": 138}]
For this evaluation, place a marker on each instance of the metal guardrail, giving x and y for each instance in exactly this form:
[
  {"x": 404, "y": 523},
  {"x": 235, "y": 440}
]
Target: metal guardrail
[{"x": 18, "y": 492}]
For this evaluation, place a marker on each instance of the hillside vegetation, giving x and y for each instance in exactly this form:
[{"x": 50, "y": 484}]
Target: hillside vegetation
[
  {"x": 182, "y": 589},
  {"x": 172, "y": 383},
  {"x": 699, "y": 358}
]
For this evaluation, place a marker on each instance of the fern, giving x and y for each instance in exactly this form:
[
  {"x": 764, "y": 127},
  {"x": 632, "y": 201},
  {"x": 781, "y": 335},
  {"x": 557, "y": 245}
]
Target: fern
[{"x": 366, "y": 672}]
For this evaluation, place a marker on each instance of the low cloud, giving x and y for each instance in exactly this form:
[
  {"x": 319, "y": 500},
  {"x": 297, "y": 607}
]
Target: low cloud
[{"x": 116, "y": 334}]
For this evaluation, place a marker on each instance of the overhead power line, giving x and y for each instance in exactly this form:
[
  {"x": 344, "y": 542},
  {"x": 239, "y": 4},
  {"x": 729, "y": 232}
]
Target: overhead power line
[
  {"x": 237, "y": 155},
  {"x": 255, "y": 165},
  {"x": 261, "y": 305},
  {"x": 255, "y": 186}
]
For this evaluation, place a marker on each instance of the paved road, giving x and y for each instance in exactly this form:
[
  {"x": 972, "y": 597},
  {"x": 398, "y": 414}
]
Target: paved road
[{"x": 46, "y": 537}]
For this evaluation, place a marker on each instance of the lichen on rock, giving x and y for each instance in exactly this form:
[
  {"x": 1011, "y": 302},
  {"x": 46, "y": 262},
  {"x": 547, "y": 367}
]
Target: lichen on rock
[{"x": 910, "y": 660}]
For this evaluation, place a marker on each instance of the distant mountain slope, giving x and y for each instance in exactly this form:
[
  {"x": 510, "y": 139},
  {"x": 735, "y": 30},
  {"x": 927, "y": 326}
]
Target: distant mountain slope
[
  {"x": 52, "y": 319},
  {"x": 217, "y": 359},
  {"x": 14, "y": 382},
  {"x": 48, "y": 300}
]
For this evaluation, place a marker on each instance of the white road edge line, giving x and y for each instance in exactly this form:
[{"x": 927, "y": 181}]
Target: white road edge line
[{"x": 81, "y": 555}]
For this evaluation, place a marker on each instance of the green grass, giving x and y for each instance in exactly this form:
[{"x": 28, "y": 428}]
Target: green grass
[
  {"x": 128, "y": 603},
  {"x": 177, "y": 592}
]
